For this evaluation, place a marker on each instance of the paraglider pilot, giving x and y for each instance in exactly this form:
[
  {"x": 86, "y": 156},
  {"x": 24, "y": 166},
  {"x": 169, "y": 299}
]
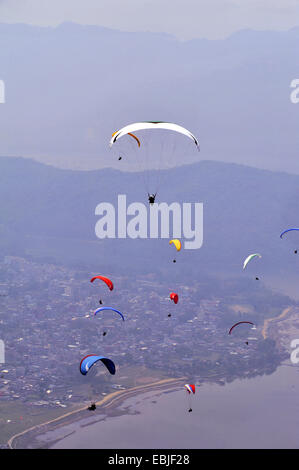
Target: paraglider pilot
[
  {"x": 151, "y": 198},
  {"x": 92, "y": 407}
]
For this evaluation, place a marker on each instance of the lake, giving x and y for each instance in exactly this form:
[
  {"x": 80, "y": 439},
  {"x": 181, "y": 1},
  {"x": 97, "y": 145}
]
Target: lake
[{"x": 261, "y": 412}]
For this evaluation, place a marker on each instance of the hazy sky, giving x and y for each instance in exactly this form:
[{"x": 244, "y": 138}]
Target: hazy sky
[{"x": 213, "y": 19}]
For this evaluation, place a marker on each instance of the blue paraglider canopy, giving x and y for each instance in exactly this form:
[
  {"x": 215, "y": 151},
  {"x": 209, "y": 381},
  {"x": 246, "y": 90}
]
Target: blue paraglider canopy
[
  {"x": 88, "y": 361},
  {"x": 109, "y": 308},
  {"x": 288, "y": 230}
]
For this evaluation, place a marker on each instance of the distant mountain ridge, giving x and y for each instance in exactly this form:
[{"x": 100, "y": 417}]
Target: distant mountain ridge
[
  {"x": 68, "y": 88},
  {"x": 49, "y": 214}
]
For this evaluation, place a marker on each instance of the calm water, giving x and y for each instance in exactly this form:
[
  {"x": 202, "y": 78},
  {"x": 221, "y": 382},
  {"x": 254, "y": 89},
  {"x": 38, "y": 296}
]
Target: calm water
[{"x": 252, "y": 413}]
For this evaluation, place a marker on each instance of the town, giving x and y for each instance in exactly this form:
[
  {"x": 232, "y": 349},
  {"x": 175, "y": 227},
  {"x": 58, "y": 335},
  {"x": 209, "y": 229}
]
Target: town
[{"x": 47, "y": 323}]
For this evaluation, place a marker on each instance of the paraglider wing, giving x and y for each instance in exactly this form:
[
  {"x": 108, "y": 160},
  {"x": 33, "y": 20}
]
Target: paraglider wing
[
  {"x": 88, "y": 361},
  {"x": 173, "y": 296},
  {"x": 132, "y": 135},
  {"x": 109, "y": 308},
  {"x": 288, "y": 230},
  {"x": 107, "y": 281},
  {"x": 138, "y": 126},
  {"x": 239, "y": 323},
  {"x": 249, "y": 258},
  {"x": 176, "y": 243},
  {"x": 190, "y": 388}
]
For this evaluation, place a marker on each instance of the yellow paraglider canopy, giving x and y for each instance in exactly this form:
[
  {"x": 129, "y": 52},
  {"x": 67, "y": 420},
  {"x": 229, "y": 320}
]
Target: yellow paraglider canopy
[{"x": 176, "y": 243}]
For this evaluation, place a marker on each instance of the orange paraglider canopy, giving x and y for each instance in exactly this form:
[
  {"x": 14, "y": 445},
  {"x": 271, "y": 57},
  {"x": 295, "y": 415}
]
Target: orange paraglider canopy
[{"x": 132, "y": 135}]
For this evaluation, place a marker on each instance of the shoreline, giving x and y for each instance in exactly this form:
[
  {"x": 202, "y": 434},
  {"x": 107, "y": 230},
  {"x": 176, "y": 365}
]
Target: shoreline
[
  {"x": 270, "y": 320},
  {"x": 105, "y": 403}
]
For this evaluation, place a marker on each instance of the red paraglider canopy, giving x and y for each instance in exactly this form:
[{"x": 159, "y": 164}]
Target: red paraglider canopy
[
  {"x": 190, "y": 388},
  {"x": 239, "y": 323},
  {"x": 173, "y": 296},
  {"x": 105, "y": 279}
]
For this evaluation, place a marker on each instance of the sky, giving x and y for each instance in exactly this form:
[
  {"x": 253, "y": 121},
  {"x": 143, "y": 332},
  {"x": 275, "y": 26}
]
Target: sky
[
  {"x": 188, "y": 19},
  {"x": 66, "y": 90}
]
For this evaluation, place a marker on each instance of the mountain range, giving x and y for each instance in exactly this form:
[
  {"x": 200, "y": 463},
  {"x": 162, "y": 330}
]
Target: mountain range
[{"x": 48, "y": 214}]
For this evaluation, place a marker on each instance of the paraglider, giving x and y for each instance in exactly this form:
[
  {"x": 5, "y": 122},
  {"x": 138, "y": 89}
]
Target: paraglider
[
  {"x": 249, "y": 258},
  {"x": 132, "y": 135},
  {"x": 137, "y": 126},
  {"x": 101, "y": 309},
  {"x": 157, "y": 142},
  {"x": 239, "y": 323},
  {"x": 88, "y": 361},
  {"x": 177, "y": 245},
  {"x": 174, "y": 297},
  {"x": 106, "y": 280},
  {"x": 190, "y": 388},
  {"x": 290, "y": 230}
]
